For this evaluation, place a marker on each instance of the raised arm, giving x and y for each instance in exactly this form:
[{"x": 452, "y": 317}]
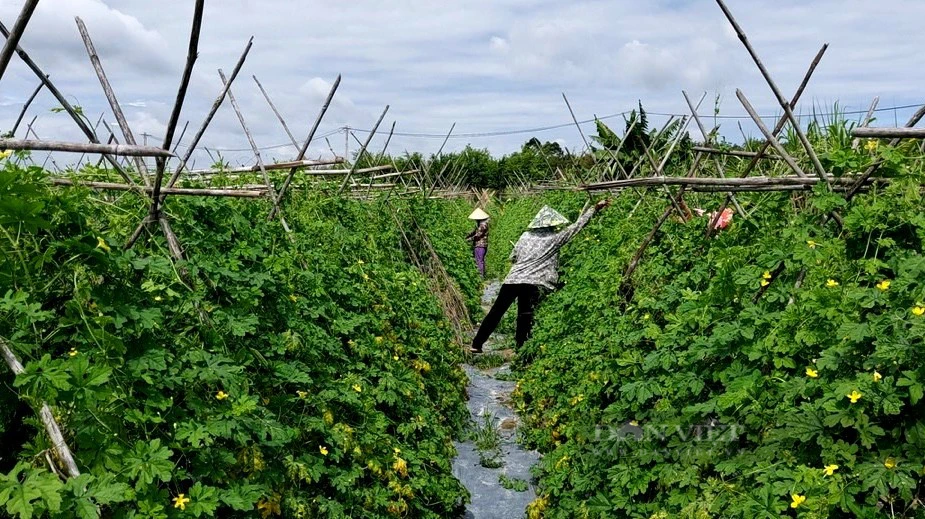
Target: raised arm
[{"x": 565, "y": 235}]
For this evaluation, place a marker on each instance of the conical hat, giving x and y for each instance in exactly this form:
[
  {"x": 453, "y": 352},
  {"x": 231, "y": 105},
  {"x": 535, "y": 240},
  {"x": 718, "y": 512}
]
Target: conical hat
[
  {"x": 547, "y": 217},
  {"x": 478, "y": 214}
]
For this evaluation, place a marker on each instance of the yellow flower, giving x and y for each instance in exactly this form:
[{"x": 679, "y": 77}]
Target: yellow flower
[
  {"x": 72, "y": 353},
  {"x": 357, "y": 388},
  {"x": 766, "y": 275},
  {"x": 765, "y": 282},
  {"x": 918, "y": 310},
  {"x": 831, "y": 283},
  {"x": 634, "y": 423},
  {"x": 797, "y": 500},
  {"x": 361, "y": 262},
  {"x": 180, "y": 501},
  {"x": 872, "y": 145},
  {"x": 302, "y": 394},
  {"x": 811, "y": 243},
  {"x": 400, "y": 466},
  {"x": 5, "y": 154},
  {"x": 221, "y": 395},
  {"x": 830, "y": 469},
  {"x": 811, "y": 373},
  {"x": 877, "y": 377},
  {"x": 366, "y": 277},
  {"x": 854, "y": 396},
  {"x": 323, "y": 450},
  {"x": 101, "y": 244},
  {"x": 884, "y": 285},
  {"x": 293, "y": 298},
  {"x": 890, "y": 463},
  {"x": 158, "y": 298}
]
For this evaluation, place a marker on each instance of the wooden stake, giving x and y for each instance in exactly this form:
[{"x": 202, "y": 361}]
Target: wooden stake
[
  {"x": 48, "y": 419},
  {"x": 25, "y": 107},
  {"x": 12, "y": 39},
  {"x": 278, "y": 115},
  {"x": 769, "y": 136},
  {"x": 866, "y": 122},
  {"x": 266, "y": 177},
  {"x": 356, "y": 162},
  {"x": 111, "y": 97},
  {"x": 311, "y": 135}
]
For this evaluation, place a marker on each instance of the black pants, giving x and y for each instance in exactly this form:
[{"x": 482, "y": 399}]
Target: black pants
[{"x": 527, "y": 296}]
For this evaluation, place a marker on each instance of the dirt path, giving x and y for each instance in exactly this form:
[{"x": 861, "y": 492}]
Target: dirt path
[{"x": 489, "y": 399}]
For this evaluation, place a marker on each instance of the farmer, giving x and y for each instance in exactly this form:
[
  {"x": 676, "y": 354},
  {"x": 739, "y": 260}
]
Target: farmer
[
  {"x": 479, "y": 238},
  {"x": 535, "y": 260}
]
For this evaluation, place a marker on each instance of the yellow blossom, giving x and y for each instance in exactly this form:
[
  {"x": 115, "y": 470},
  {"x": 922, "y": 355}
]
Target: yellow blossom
[
  {"x": 357, "y": 388},
  {"x": 890, "y": 463},
  {"x": 180, "y": 501},
  {"x": 361, "y": 262},
  {"x": 293, "y": 298},
  {"x": 323, "y": 450},
  {"x": 877, "y": 377},
  {"x": 366, "y": 277},
  {"x": 101, "y": 244},
  {"x": 72, "y": 353},
  {"x": 634, "y": 423},
  {"x": 302, "y": 394},
  {"x": 811, "y": 243},
  {"x": 765, "y": 282},
  {"x": 811, "y": 373},
  {"x": 158, "y": 298},
  {"x": 884, "y": 285},
  {"x": 797, "y": 500},
  {"x": 872, "y": 145},
  {"x": 830, "y": 469},
  {"x": 854, "y": 396},
  {"x": 221, "y": 395},
  {"x": 918, "y": 310},
  {"x": 831, "y": 283},
  {"x": 766, "y": 275},
  {"x": 5, "y": 154}
]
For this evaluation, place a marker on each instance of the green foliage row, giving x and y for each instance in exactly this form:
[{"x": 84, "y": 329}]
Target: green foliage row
[
  {"x": 691, "y": 400},
  {"x": 261, "y": 377}
]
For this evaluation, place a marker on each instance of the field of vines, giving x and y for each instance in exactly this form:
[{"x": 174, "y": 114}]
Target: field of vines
[{"x": 773, "y": 369}]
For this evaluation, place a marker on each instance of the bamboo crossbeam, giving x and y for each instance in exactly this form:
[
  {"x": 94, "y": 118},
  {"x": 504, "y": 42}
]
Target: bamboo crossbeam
[
  {"x": 373, "y": 186},
  {"x": 396, "y": 174},
  {"x": 723, "y": 182},
  {"x": 111, "y": 186},
  {"x": 734, "y": 153},
  {"x": 76, "y": 147},
  {"x": 270, "y": 167},
  {"x": 19, "y": 27},
  {"x": 888, "y": 133}
]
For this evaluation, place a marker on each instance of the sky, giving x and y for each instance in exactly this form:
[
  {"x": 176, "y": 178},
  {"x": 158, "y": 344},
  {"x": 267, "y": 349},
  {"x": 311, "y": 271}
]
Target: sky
[{"x": 495, "y": 68}]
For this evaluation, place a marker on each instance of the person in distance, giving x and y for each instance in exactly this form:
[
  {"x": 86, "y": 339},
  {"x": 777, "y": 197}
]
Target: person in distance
[{"x": 479, "y": 238}]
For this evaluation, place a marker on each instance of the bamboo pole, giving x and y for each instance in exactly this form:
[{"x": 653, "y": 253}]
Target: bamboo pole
[
  {"x": 801, "y": 135},
  {"x": 768, "y": 135},
  {"x": 111, "y": 97},
  {"x": 311, "y": 135},
  {"x": 109, "y": 186},
  {"x": 250, "y": 139},
  {"x": 78, "y": 147},
  {"x": 19, "y": 28},
  {"x": 716, "y": 162},
  {"x": 212, "y": 111},
  {"x": 25, "y": 108},
  {"x": 58, "y": 444},
  {"x": 777, "y": 129},
  {"x": 721, "y": 181},
  {"x": 65, "y": 104},
  {"x": 269, "y": 167},
  {"x": 356, "y": 162},
  {"x": 191, "y": 55},
  {"x": 279, "y": 116},
  {"x": 867, "y": 120}
]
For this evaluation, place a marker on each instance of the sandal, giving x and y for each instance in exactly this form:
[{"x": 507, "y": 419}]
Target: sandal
[{"x": 474, "y": 350}]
